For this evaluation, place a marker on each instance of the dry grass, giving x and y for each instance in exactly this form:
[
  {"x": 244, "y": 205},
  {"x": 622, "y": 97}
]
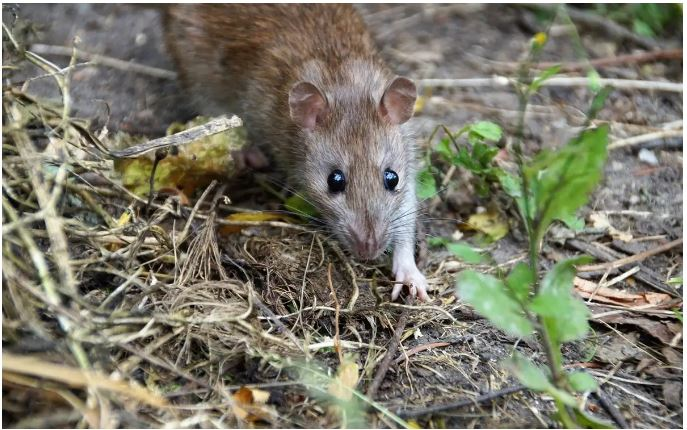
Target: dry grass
[{"x": 116, "y": 313}]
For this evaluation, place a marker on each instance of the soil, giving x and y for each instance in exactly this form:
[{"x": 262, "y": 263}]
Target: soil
[{"x": 432, "y": 41}]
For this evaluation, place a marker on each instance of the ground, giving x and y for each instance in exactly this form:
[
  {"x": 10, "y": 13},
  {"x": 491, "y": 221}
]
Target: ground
[{"x": 238, "y": 310}]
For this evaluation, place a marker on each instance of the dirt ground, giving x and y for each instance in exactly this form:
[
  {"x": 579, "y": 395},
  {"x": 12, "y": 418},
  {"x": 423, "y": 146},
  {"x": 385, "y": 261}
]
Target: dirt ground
[{"x": 637, "y": 354}]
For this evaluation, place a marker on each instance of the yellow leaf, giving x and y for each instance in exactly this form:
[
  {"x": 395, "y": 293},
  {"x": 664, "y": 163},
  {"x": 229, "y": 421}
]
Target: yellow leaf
[
  {"x": 489, "y": 223},
  {"x": 193, "y": 165},
  {"x": 124, "y": 218},
  {"x": 412, "y": 424},
  {"x": 346, "y": 380}
]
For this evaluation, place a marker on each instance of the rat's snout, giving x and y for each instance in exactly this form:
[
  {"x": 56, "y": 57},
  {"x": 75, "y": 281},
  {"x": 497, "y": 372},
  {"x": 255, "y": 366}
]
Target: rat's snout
[{"x": 365, "y": 243}]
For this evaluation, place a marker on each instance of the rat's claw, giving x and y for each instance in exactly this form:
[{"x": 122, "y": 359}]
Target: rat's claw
[{"x": 413, "y": 277}]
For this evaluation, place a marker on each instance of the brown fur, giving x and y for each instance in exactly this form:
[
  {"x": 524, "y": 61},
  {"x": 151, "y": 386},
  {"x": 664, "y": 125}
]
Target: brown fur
[{"x": 245, "y": 59}]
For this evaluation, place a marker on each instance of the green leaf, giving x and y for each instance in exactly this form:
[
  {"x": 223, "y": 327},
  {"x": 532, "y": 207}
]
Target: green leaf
[
  {"x": 546, "y": 74},
  {"x": 528, "y": 373},
  {"x": 598, "y": 102},
  {"x": 465, "y": 252},
  {"x": 561, "y": 181},
  {"x": 520, "y": 281},
  {"x": 437, "y": 241},
  {"x": 426, "y": 184},
  {"x": 444, "y": 148},
  {"x": 573, "y": 222},
  {"x": 642, "y": 28},
  {"x": 565, "y": 316},
  {"x": 489, "y": 297},
  {"x": 300, "y": 206},
  {"x": 594, "y": 80},
  {"x": 582, "y": 381},
  {"x": 512, "y": 185},
  {"x": 486, "y": 130}
]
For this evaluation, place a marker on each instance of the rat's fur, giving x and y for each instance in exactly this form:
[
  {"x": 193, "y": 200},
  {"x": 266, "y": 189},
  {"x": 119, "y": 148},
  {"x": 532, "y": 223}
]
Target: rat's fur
[{"x": 246, "y": 59}]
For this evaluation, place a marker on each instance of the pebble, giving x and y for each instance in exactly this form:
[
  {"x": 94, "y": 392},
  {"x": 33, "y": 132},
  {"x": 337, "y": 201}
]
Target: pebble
[{"x": 648, "y": 157}]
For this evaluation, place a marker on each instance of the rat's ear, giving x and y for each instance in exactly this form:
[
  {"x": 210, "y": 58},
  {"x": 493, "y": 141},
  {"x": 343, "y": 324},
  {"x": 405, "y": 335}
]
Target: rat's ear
[
  {"x": 307, "y": 105},
  {"x": 398, "y": 101}
]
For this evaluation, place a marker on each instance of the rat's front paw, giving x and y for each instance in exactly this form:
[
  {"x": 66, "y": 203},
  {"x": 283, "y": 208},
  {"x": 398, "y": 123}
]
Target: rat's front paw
[{"x": 410, "y": 275}]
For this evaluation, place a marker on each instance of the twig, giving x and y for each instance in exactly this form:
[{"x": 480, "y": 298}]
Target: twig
[
  {"x": 214, "y": 126},
  {"x": 635, "y": 140},
  {"x": 390, "y": 352},
  {"x": 642, "y": 57},
  {"x": 460, "y": 403},
  {"x": 95, "y": 59},
  {"x": 420, "y": 348},
  {"x": 576, "y": 66},
  {"x": 601, "y": 252},
  {"x": 556, "y": 81},
  {"x": 610, "y": 408},
  {"x": 631, "y": 259}
]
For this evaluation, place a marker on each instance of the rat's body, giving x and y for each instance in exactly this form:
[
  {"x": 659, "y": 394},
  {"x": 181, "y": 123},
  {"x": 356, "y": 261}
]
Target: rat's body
[{"x": 314, "y": 93}]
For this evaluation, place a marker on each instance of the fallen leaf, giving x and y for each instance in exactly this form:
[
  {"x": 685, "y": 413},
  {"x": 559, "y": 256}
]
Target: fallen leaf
[
  {"x": 250, "y": 405},
  {"x": 490, "y": 223},
  {"x": 600, "y": 220},
  {"x": 587, "y": 289},
  {"x": 194, "y": 165},
  {"x": 652, "y": 327}
]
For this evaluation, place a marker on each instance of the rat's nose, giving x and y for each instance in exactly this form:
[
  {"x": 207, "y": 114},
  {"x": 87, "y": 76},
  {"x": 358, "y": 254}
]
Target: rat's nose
[{"x": 365, "y": 244}]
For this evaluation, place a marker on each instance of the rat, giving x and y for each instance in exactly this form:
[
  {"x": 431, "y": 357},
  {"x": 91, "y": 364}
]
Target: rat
[{"x": 315, "y": 94}]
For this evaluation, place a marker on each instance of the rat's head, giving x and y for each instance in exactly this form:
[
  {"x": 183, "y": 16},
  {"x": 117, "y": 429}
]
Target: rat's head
[{"x": 358, "y": 167}]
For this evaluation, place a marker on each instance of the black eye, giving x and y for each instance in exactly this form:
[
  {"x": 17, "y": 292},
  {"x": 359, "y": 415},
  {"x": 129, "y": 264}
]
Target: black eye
[
  {"x": 336, "y": 181},
  {"x": 390, "y": 179}
]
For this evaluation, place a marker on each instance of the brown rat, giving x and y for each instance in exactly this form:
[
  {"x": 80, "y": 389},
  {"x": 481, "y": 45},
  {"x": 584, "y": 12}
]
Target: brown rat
[{"x": 313, "y": 92}]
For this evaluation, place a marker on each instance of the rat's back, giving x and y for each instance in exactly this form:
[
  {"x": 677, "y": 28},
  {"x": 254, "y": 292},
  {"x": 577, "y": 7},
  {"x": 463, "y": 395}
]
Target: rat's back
[{"x": 224, "y": 50}]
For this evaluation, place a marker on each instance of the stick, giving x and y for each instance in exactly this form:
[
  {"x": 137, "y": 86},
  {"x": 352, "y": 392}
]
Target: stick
[
  {"x": 556, "y": 81},
  {"x": 214, "y": 126},
  {"x": 390, "y": 352},
  {"x": 95, "y": 59},
  {"x": 631, "y": 259},
  {"x": 648, "y": 137},
  {"x": 645, "y": 274},
  {"x": 407, "y": 413},
  {"x": 643, "y": 57},
  {"x": 611, "y": 409}
]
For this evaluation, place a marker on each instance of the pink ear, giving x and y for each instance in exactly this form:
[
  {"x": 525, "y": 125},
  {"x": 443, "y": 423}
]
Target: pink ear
[
  {"x": 307, "y": 105},
  {"x": 398, "y": 101}
]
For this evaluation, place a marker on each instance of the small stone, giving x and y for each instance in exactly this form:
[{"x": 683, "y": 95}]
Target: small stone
[{"x": 648, "y": 157}]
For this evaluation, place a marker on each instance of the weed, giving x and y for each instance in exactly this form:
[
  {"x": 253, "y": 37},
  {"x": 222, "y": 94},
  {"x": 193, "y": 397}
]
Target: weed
[{"x": 550, "y": 187}]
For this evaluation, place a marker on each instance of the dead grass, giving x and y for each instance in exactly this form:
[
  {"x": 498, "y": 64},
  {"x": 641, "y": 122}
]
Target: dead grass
[{"x": 120, "y": 314}]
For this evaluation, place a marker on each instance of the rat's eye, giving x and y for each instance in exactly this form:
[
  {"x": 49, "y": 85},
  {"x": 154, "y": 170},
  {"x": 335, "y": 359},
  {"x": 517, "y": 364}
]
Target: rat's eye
[
  {"x": 336, "y": 181},
  {"x": 390, "y": 179}
]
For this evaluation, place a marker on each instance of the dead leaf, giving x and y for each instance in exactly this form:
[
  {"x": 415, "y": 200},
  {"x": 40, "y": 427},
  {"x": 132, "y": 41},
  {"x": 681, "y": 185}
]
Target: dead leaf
[
  {"x": 652, "y": 327},
  {"x": 490, "y": 223},
  {"x": 194, "y": 165},
  {"x": 587, "y": 289},
  {"x": 600, "y": 220},
  {"x": 250, "y": 405},
  {"x": 345, "y": 382}
]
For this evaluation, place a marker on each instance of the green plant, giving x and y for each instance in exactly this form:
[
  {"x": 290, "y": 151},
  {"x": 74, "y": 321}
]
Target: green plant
[{"x": 550, "y": 187}]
